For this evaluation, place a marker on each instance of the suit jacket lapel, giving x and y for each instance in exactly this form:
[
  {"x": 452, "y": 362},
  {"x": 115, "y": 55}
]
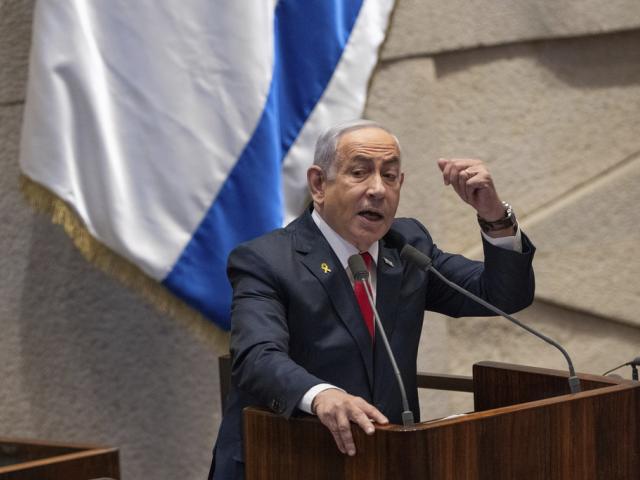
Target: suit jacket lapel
[
  {"x": 389, "y": 280},
  {"x": 320, "y": 260}
]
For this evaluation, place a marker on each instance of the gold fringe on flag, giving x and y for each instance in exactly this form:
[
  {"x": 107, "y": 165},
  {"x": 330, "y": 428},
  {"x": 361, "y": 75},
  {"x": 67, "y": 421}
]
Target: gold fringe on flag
[{"x": 43, "y": 200}]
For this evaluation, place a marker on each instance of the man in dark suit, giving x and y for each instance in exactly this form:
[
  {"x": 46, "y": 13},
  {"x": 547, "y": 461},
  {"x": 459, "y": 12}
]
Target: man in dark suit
[{"x": 299, "y": 339}]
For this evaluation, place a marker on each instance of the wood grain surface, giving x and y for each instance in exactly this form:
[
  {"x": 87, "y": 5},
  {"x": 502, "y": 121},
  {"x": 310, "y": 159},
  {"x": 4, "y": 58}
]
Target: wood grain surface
[{"x": 527, "y": 429}]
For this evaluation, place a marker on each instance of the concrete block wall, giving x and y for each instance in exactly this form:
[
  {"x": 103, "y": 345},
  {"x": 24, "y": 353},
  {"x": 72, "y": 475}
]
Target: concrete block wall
[{"x": 547, "y": 93}]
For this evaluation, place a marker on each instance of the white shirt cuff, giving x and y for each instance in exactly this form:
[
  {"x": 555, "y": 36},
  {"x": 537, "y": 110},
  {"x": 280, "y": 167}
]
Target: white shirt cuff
[
  {"x": 513, "y": 242},
  {"x": 306, "y": 401}
]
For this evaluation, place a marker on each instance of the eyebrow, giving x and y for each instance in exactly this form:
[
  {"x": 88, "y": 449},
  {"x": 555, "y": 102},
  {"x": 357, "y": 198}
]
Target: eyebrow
[{"x": 365, "y": 158}]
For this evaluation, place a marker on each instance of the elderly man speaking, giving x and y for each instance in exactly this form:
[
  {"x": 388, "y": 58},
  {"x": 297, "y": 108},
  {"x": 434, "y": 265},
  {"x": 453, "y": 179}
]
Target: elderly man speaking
[{"x": 301, "y": 338}]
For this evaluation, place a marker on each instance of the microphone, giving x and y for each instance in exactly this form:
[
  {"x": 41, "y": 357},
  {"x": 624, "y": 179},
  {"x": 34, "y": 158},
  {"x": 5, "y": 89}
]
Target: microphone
[
  {"x": 361, "y": 274},
  {"x": 634, "y": 364},
  {"x": 416, "y": 257}
]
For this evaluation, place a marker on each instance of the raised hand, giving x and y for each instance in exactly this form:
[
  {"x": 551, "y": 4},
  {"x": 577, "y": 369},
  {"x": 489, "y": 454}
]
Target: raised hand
[{"x": 472, "y": 181}]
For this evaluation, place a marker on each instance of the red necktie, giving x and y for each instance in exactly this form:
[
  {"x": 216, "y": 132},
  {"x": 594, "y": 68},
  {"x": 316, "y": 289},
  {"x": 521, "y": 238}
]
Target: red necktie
[{"x": 361, "y": 296}]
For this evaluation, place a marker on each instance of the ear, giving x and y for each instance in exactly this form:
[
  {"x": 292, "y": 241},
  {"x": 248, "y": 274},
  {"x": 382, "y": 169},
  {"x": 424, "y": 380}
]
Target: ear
[{"x": 316, "y": 181}]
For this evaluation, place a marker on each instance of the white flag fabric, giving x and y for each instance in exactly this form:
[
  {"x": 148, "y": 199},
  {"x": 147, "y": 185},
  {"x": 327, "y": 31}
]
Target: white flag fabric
[{"x": 177, "y": 130}]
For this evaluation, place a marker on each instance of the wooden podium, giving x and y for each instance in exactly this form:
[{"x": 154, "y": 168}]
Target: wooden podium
[
  {"x": 38, "y": 460},
  {"x": 525, "y": 426}
]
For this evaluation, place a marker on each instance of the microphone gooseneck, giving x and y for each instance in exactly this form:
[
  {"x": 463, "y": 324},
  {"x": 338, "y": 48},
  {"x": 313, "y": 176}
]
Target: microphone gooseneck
[
  {"x": 415, "y": 256},
  {"x": 361, "y": 274},
  {"x": 634, "y": 364}
]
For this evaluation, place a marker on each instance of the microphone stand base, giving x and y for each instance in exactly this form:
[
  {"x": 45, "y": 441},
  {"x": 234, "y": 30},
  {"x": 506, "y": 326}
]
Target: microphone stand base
[
  {"x": 574, "y": 385},
  {"x": 407, "y": 418}
]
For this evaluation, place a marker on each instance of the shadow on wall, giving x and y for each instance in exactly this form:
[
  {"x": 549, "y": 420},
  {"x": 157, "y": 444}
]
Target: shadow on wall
[{"x": 597, "y": 61}]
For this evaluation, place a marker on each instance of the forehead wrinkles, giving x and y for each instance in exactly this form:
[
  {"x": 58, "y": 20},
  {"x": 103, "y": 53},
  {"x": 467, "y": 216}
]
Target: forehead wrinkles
[{"x": 373, "y": 150}]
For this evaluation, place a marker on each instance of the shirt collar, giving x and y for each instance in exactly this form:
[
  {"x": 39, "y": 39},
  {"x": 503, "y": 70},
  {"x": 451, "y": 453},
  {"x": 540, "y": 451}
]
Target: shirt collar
[{"x": 339, "y": 245}]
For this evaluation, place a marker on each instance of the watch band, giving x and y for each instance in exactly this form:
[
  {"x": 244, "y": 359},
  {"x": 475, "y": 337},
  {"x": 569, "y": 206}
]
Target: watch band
[{"x": 508, "y": 220}]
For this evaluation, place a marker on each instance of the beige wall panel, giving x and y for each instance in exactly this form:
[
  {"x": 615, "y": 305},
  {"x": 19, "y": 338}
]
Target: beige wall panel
[
  {"x": 15, "y": 38},
  {"x": 421, "y": 27},
  {"x": 85, "y": 359},
  {"x": 589, "y": 255},
  {"x": 432, "y": 357},
  {"x": 546, "y": 117}
]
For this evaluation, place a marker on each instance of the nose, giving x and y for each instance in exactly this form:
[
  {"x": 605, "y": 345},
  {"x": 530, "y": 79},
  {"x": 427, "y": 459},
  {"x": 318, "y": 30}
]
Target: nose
[{"x": 376, "y": 187}]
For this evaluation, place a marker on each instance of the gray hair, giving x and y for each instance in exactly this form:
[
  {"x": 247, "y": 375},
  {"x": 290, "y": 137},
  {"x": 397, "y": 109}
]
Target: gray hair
[{"x": 327, "y": 144}]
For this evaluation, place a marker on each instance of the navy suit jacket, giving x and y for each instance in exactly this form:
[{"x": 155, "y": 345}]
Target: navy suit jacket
[{"x": 296, "y": 324}]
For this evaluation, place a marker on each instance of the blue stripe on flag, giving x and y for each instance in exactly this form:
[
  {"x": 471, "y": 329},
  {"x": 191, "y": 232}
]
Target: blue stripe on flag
[{"x": 309, "y": 39}]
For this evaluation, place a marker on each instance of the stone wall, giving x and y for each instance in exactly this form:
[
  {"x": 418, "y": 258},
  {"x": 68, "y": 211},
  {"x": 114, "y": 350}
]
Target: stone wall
[{"x": 547, "y": 93}]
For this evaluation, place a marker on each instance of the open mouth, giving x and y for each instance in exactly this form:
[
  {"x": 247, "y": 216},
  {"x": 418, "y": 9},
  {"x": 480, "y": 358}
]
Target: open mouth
[{"x": 371, "y": 215}]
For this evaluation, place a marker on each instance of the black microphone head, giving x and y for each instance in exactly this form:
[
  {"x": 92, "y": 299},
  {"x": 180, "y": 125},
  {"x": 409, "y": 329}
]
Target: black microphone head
[
  {"x": 358, "y": 268},
  {"x": 635, "y": 362},
  {"x": 395, "y": 240},
  {"x": 411, "y": 254}
]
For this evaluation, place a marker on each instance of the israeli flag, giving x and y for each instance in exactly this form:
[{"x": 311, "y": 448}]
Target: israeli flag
[{"x": 176, "y": 130}]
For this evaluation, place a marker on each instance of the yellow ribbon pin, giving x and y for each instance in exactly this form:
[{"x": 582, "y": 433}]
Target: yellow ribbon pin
[{"x": 325, "y": 268}]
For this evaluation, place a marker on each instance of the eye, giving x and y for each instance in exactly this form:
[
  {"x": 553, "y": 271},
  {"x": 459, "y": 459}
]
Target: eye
[
  {"x": 358, "y": 172},
  {"x": 390, "y": 176}
]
